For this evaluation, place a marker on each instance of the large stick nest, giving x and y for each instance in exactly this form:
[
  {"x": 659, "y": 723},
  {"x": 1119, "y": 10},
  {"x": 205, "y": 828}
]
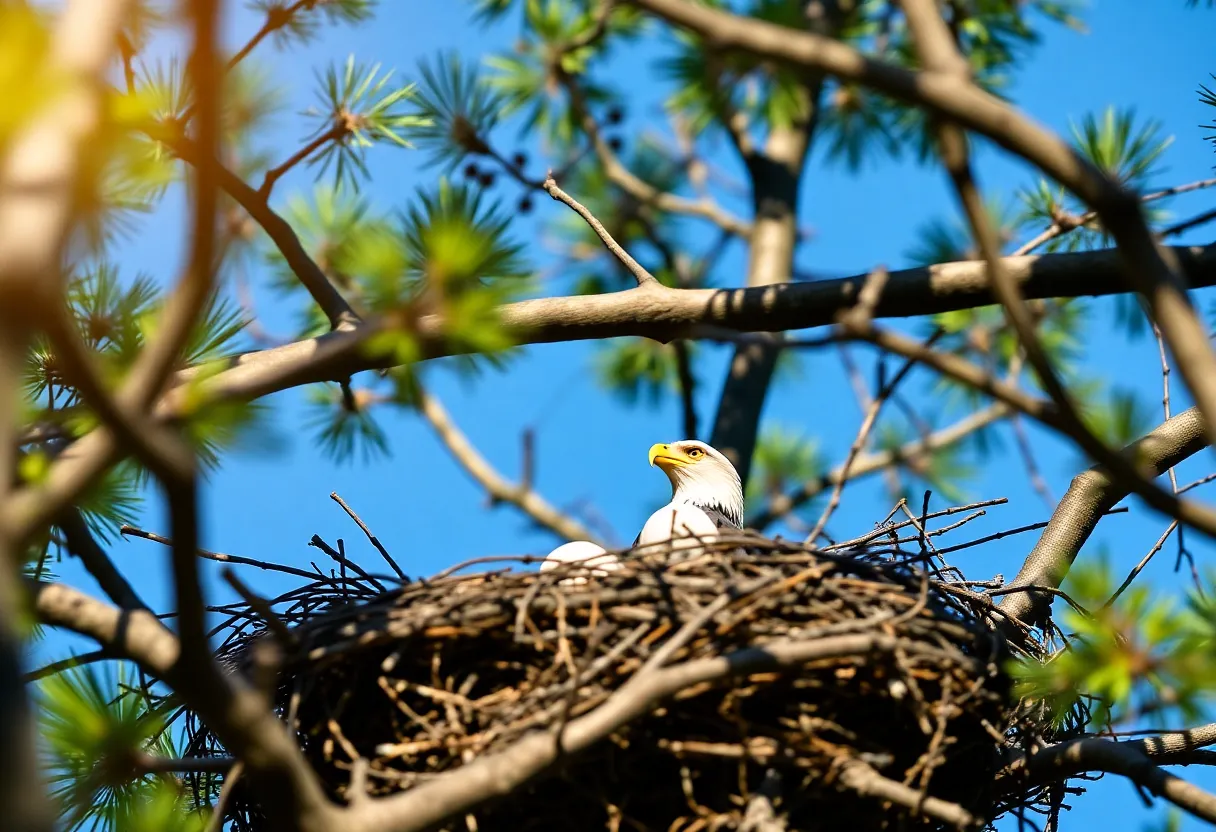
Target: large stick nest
[{"x": 814, "y": 684}]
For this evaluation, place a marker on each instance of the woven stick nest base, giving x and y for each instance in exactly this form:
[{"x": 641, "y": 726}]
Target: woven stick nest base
[{"x": 754, "y": 680}]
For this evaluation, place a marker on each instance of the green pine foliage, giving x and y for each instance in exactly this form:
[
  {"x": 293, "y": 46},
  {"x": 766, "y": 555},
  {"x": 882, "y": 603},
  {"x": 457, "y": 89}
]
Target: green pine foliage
[
  {"x": 1137, "y": 656},
  {"x": 452, "y": 253},
  {"x": 98, "y": 728}
]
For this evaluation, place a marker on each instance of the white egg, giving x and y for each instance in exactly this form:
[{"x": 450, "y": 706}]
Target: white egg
[
  {"x": 582, "y": 552},
  {"x": 681, "y": 526}
]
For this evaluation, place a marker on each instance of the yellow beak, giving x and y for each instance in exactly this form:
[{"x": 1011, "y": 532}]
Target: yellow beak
[{"x": 664, "y": 456}]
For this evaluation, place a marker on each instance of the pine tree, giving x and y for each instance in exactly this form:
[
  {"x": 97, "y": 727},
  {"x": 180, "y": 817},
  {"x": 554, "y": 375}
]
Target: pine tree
[{"x": 122, "y": 388}]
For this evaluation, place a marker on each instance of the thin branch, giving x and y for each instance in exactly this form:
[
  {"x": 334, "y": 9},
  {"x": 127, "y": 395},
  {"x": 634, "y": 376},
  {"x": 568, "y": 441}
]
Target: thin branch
[
  {"x": 1127, "y": 468},
  {"x": 375, "y": 541},
  {"x": 874, "y": 462},
  {"x": 1057, "y": 229},
  {"x": 644, "y": 278},
  {"x": 638, "y": 188},
  {"x": 131, "y": 531},
  {"x": 867, "y": 782},
  {"x": 863, "y": 432},
  {"x": 336, "y": 308},
  {"x": 1139, "y": 567},
  {"x": 276, "y": 173},
  {"x": 1032, "y": 467},
  {"x": 523, "y": 498},
  {"x": 1186, "y": 225}
]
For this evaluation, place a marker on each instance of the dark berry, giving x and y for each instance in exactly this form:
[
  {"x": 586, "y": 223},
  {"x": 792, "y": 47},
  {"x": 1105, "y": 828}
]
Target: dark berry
[
  {"x": 525, "y": 205},
  {"x": 616, "y": 144},
  {"x": 471, "y": 171},
  {"x": 486, "y": 179},
  {"x": 519, "y": 159},
  {"x": 616, "y": 115}
]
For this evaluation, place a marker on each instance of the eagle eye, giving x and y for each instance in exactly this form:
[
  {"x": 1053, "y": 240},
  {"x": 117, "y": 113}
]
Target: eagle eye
[{"x": 695, "y": 453}]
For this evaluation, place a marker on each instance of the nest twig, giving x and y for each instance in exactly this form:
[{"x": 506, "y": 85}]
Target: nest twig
[{"x": 671, "y": 695}]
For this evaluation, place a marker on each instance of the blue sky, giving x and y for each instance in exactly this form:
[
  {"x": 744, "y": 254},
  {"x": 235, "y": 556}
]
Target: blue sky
[{"x": 590, "y": 446}]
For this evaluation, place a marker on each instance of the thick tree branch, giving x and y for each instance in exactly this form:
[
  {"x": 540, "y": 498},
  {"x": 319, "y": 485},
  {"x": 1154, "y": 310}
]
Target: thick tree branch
[
  {"x": 661, "y": 315},
  {"x": 1090, "y": 495},
  {"x": 1149, "y": 267},
  {"x": 519, "y": 495},
  {"x": 1137, "y": 760},
  {"x": 775, "y": 173}
]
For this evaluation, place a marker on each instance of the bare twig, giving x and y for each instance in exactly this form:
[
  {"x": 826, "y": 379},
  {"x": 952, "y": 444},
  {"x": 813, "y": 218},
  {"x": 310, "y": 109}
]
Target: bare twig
[
  {"x": 644, "y": 278},
  {"x": 375, "y": 541},
  {"x": 525, "y": 499},
  {"x": 870, "y": 463}
]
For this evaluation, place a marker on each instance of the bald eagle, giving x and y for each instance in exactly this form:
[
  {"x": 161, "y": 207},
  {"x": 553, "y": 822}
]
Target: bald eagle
[{"x": 706, "y": 494}]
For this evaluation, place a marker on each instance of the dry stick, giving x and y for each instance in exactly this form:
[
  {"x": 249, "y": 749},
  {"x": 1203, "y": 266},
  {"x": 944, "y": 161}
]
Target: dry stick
[
  {"x": 867, "y": 782},
  {"x": 1131, "y": 479},
  {"x": 945, "y": 550},
  {"x": 525, "y": 499},
  {"x": 375, "y": 541},
  {"x": 872, "y": 462},
  {"x": 894, "y": 527},
  {"x": 638, "y": 188},
  {"x": 1139, "y": 567},
  {"x": 644, "y": 278},
  {"x": 499, "y": 774},
  {"x": 130, "y": 531},
  {"x": 867, "y": 424},
  {"x": 344, "y": 562},
  {"x": 1151, "y": 269},
  {"x": 287, "y": 639}
]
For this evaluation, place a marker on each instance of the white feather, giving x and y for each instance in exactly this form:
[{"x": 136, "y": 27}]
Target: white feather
[
  {"x": 584, "y": 553},
  {"x": 682, "y": 525}
]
